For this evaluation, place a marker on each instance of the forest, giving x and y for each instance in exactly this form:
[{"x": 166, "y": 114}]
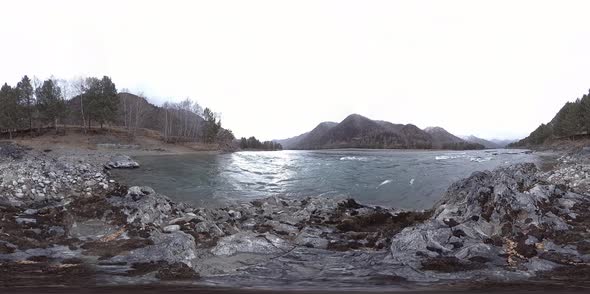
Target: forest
[
  {"x": 571, "y": 121},
  {"x": 93, "y": 103}
]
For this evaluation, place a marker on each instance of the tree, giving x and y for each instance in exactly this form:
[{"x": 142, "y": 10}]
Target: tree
[
  {"x": 212, "y": 125},
  {"x": 568, "y": 120},
  {"x": 11, "y": 109},
  {"x": 25, "y": 92},
  {"x": 253, "y": 143},
  {"x": 585, "y": 112},
  {"x": 225, "y": 139},
  {"x": 101, "y": 100},
  {"x": 51, "y": 104}
]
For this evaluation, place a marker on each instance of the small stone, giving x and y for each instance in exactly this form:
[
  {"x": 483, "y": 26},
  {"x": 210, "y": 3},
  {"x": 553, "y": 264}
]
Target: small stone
[
  {"x": 30, "y": 211},
  {"x": 171, "y": 228},
  {"x": 90, "y": 183}
]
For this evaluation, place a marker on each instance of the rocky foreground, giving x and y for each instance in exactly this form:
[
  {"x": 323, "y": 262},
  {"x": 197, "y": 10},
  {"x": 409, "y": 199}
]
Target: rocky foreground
[{"x": 64, "y": 221}]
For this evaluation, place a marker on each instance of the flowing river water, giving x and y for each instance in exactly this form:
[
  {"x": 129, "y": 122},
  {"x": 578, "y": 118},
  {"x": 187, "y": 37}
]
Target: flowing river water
[{"x": 392, "y": 178}]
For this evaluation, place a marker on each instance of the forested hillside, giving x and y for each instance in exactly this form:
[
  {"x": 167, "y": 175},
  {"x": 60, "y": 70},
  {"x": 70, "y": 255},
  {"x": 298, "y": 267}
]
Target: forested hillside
[
  {"x": 571, "y": 121},
  {"x": 32, "y": 105},
  {"x": 357, "y": 131}
]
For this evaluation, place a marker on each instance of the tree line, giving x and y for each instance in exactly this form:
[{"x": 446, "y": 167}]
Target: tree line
[
  {"x": 91, "y": 102},
  {"x": 571, "y": 121},
  {"x": 253, "y": 143},
  {"x": 31, "y": 104}
]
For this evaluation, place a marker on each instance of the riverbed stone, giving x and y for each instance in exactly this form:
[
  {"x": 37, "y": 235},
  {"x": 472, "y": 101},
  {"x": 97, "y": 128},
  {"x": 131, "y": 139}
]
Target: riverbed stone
[{"x": 122, "y": 161}]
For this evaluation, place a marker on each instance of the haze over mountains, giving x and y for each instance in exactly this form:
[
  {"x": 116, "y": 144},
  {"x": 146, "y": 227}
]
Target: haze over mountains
[
  {"x": 357, "y": 131},
  {"x": 490, "y": 144}
]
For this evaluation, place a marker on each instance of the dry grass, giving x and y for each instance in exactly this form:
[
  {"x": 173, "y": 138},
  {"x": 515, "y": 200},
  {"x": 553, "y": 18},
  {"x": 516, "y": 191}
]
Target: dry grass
[{"x": 144, "y": 141}]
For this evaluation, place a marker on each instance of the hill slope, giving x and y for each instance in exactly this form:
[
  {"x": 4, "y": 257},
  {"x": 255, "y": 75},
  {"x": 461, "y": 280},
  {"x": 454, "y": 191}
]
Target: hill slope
[
  {"x": 357, "y": 131},
  {"x": 136, "y": 112},
  {"x": 572, "y": 121}
]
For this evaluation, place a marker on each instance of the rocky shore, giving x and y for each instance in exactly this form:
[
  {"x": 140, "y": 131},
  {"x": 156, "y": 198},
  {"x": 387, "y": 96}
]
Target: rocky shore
[{"x": 65, "y": 221}]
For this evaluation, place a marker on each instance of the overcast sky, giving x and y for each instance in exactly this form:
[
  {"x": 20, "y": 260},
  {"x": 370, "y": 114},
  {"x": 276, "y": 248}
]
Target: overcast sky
[{"x": 275, "y": 69}]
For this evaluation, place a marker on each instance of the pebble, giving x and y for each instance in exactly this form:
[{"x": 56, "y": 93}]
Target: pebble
[{"x": 171, "y": 228}]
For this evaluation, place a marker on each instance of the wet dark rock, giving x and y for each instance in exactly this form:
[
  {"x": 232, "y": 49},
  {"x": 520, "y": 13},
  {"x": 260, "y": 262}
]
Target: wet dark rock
[
  {"x": 15, "y": 274},
  {"x": 6, "y": 249},
  {"x": 113, "y": 248},
  {"x": 143, "y": 268},
  {"x": 576, "y": 273},
  {"x": 72, "y": 260},
  {"x": 176, "y": 271},
  {"x": 449, "y": 264}
]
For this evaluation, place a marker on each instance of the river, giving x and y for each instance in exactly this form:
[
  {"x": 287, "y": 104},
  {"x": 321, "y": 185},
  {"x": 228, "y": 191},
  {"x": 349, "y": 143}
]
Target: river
[{"x": 392, "y": 178}]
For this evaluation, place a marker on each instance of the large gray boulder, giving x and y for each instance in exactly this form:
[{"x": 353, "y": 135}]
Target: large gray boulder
[
  {"x": 172, "y": 248},
  {"x": 144, "y": 206},
  {"x": 122, "y": 161}
]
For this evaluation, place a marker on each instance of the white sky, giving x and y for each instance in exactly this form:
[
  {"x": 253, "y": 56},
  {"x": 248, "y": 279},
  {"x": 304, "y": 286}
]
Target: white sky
[{"x": 274, "y": 69}]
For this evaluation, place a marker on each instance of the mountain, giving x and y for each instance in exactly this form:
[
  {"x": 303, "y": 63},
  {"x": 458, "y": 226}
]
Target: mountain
[
  {"x": 294, "y": 142},
  {"x": 441, "y": 138},
  {"x": 357, "y": 131},
  {"x": 502, "y": 143},
  {"x": 486, "y": 143}
]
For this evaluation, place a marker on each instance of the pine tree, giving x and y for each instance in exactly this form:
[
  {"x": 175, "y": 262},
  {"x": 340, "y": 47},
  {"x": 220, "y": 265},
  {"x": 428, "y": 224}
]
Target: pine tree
[
  {"x": 212, "y": 125},
  {"x": 25, "y": 92},
  {"x": 585, "y": 112},
  {"x": 11, "y": 109},
  {"x": 51, "y": 103},
  {"x": 101, "y": 100}
]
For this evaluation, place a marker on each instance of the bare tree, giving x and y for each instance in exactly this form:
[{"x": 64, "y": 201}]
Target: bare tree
[
  {"x": 139, "y": 112},
  {"x": 78, "y": 86},
  {"x": 124, "y": 99}
]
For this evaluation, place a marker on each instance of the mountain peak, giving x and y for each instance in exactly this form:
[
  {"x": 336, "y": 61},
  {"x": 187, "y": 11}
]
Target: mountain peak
[{"x": 357, "y": 131}]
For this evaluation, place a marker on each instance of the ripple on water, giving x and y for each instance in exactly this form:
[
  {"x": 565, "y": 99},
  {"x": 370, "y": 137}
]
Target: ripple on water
[{"x": 207, "y": 178}]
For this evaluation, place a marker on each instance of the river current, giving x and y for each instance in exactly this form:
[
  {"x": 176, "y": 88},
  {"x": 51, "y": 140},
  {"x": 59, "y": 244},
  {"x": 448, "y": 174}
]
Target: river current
[{"x": 393, "y": 178}]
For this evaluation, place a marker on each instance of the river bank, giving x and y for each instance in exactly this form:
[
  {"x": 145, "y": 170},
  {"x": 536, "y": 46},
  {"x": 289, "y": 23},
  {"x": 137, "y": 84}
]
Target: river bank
[{"x": 67, "y": 222}]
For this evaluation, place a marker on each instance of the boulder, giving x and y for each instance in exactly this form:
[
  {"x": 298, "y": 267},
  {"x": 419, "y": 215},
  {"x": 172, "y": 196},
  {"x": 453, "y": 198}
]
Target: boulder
[{"x": 122, "y": 161}]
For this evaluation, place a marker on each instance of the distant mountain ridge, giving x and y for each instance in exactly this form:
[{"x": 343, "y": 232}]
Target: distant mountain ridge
[
  {"x": 490, "y": 144},
  {"x": 486, "y": 143},
  {"x": 357, "y": 131}
]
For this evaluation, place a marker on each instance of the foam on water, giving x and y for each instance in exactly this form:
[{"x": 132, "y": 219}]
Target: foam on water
[
  {"x": 354, "y": 158},
  {"x": 376, "y": 177},
  {"x": 384, "y": 183}
]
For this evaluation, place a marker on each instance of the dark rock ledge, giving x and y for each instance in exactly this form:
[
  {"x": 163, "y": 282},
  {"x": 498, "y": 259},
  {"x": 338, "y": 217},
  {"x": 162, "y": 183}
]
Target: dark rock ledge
[{"x": 64, "y": 222}]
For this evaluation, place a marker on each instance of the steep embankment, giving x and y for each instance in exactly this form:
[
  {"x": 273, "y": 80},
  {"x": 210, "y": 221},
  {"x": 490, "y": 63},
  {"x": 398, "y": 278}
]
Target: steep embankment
[{"x": 357, "y": 131}]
